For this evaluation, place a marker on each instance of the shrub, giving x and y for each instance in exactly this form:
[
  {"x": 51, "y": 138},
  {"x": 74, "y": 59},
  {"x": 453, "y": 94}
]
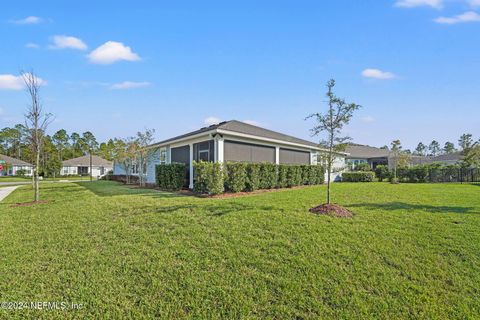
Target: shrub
[
  {"x": 170, "y": 176},
  {"x": 252, "y": 182},
  {"x": 363, "y": 167},
  {"x": 294, "y": 176},
  {"x": 382, "y": 172},
  {"x": 21, "y": 173},
  {"x": 209, "y": 177},
  {"x": 282, "y": 176},
  {"x": 358, "y": 176},
  {"x": 418, "y": 173},
  {"x": 268, "y": 176},
  {"x": 236, "y": 176}
]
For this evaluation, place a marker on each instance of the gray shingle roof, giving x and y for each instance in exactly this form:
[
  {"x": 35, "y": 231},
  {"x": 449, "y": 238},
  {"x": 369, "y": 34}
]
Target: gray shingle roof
[
  {"x": 245, "y": 128},
  {"x": 84, "y": 161},
  {"x": 13, "y": 161},
  {"x": 365, "y": 152}
]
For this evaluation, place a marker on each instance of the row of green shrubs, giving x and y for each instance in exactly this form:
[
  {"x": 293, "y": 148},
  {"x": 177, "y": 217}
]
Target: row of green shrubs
[
  {"x": 358, "y": 176},
  {"x": 216, "y": 178},
  {"x": 170, "y": 176},
  {"x": 433, "y": 172}
]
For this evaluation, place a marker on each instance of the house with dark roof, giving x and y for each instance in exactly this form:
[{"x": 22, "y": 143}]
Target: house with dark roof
[
  {"x": 81, "y": 166},
  {"x": 11, "y": 166},
  {"x": 358, "y": 153},
  {"x": 232, "y": 141}
]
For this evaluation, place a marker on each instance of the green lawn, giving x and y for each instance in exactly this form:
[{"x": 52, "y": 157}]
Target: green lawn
[{"x": 411, "y": 251}]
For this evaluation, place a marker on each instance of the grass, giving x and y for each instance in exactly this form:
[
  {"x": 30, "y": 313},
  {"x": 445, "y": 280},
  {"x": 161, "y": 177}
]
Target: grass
[{"x": 411, "y": 251}]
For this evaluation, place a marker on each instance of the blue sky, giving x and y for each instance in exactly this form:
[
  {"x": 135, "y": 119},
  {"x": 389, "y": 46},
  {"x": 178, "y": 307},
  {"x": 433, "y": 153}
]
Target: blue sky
[{"x": 115, "y": 67}]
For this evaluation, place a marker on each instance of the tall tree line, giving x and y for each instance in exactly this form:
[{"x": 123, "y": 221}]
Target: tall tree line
[
  {"x": 465, "y": 142},
  {"x": 57, "y": 147}
]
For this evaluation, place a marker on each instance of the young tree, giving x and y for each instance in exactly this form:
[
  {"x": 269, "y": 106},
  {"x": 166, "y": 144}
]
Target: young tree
[
  {"x": 143, "y": 153},
  {"x": 124, "y": 155},
  {"x": 434, "y": 148},
  {"x": 395, "y": 149},
  {"x": 421, "y": 149},
  {"x": 90, "y": 146},
  {"x": 36, "y": 122},
  {"x": 449, "y": 148},
  {"x": 332, "y": 122}
]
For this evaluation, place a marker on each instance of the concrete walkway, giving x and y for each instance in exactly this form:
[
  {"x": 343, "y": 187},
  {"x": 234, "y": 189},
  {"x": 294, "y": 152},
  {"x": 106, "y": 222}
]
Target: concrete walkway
[{"x": 5, "y": 191}]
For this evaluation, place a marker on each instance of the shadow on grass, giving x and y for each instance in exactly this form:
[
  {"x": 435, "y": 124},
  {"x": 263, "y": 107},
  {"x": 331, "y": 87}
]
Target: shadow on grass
[
  {"x": 216, "y": 210},
  {"x": 391, "y": 206},
  {"x": 110, "y": 189}
]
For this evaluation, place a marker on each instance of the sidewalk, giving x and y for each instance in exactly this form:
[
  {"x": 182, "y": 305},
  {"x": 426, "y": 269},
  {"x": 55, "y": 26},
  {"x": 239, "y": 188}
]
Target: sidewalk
[{"x": 5, "y": 191}]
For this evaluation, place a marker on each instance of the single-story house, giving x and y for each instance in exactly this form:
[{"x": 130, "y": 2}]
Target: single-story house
[
  {"x": 448, "y": 159},
  {"x": 11, "y": 166},
  {"x": 232, "y": 141},
  {"x": 81, "y": 166},
  {"x": 358, "y": 153}
]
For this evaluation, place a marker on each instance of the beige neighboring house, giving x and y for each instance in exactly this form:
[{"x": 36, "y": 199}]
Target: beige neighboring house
[
  {"x": 81, "y": 166},
  {"x": 10, "y": 166}
]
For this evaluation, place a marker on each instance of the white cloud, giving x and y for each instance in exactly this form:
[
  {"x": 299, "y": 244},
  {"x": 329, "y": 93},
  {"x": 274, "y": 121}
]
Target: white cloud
[
  {"x": 12, "y": 82},
  {"x": 474, "y": 3},
  {"x": 67, "y": 42},
  {"x": 468, "y": 16},
  {"x": 437, "y": 4},
  {"x": 28, "y": 20},
  {"x": 377, "y": 74},
  {"x": 368, "y": 119},
  {"x": 129, "y": 85},
  {"x": 32, "y": 45},
  {"x": 252, "y": 122},
  {"x": 112, "y": 51},
  {"x": 211, "y": 121}
]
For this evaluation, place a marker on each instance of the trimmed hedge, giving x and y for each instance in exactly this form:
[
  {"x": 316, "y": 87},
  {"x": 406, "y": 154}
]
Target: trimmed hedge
[
  {"x": 358, "y": 176},
  {"x": 236, "y": 176},
  {"x": 214, "y": 178},
  {"x": 170, "y": 176},
  {"x": 382, "y": 172},
  {"x": 209, "y": 177}
]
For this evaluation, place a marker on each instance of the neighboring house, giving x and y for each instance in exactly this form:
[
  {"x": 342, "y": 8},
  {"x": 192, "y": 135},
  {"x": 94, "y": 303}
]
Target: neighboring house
[
  {"x": 448, "y": 159},
  {"x": 358, "y": 153},
  {"x": 81, "y": 166},
  {"x": 10, "y": 166},
  {"x": 231, "y": 141}
]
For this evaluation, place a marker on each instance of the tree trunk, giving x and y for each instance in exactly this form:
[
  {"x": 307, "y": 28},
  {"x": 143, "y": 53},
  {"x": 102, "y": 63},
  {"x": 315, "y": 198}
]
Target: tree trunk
[
  {"x": 91, "y": 178},
  {"x": 36, "y": 180}
]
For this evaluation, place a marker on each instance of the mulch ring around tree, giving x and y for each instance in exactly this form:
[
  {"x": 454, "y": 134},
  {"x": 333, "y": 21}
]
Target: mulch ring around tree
[
  {"x": 31, "y": 203},
  {"x": 332, "y": 209}
]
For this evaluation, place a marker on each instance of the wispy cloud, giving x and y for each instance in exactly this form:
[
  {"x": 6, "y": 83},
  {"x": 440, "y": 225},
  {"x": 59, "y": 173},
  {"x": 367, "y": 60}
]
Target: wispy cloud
[
  {"x": 377, "y": 74},
  {"x": 211, "y": 121},
  {"x": 437, "y": 4},
  {"x": 129, "y": 85},
  {"x": 111, "y": 52},
  {"x": 469, "y": 16},
  {"x": 367, "y": 119},
  {"x": 13, "y": 82},
  {"x": 32, "y": 45},
  {"x": 67, "y": 42},
  {"x": 28, "y": 20},
  {"x": 474, "y": 3}
]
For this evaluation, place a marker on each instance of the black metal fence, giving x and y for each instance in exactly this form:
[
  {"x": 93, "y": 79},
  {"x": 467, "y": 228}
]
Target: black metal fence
[{"x": 453, "y": 175}]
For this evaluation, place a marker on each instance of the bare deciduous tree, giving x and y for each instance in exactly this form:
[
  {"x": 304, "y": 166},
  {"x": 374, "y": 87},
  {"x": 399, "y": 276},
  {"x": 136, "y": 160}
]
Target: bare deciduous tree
[
  {"x": 36, "y": 122},
  {"x": 142, "y": 141}
]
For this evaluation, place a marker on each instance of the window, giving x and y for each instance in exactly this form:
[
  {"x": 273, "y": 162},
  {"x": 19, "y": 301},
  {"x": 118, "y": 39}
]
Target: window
[
  {"x": 204, "y": 155},
  {"x": 163, "y": 156},
  {"x": 134, "y": 169}
]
